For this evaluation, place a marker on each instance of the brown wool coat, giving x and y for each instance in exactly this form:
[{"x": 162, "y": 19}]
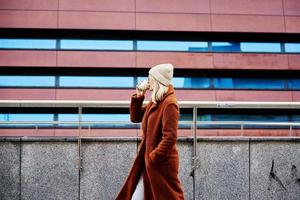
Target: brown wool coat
[{"x": 157, "y": 159}]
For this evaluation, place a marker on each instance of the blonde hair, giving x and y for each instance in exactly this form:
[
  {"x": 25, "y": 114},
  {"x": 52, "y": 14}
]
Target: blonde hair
[{"x": 158, "y": 90}]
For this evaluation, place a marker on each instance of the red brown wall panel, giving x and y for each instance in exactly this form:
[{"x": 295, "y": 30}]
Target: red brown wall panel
[
  {"x": 248, "y": 23},
  {"x": 296, "y": 96},
  {"x": 95, "y": 59},
  {"x": 27, "y": 94},
  {"x": 173, "y": 22},
  {"x": 291, "y": 7},
  {"x": 28, "y": 19},
  {"x": 178, "y": 59},
  {"x": 250, "y": 61},
  {"x": 248, "y": 95},
  {"x": 97, "y": 5},
  {"x": 97, "y": 132},
  {"x": 256, "y": 132},
  {"x": 26, "y": 132},
  {"x": 195, "y": 95},
  {"x": 96, "y": 20},
  {"x": 253, "y": 7},
  {"x": 147, "y": 59},
  {"x": 125, "y": 94},
  {"x": 94, "y": 94},
  {"x": 173, "y": 6},
  {"x": 29, "y": 4},
  {"x": 27, "y": 58},
  {"x": 292, "y": 24},
  {"x": 294, "y": 61}
]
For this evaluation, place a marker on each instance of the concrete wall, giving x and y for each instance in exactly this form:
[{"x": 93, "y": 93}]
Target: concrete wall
[{"x": 230, "y": 168}]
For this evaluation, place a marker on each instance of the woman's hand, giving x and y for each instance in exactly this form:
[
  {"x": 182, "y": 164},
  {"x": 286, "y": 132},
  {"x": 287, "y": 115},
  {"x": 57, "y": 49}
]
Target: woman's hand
[
  {"x": 142, "y": 87},
  {"x": 140, "y": 93}
]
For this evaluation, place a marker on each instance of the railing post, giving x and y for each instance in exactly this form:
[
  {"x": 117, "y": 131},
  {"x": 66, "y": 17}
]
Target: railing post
[
  {"x": 79, "y": 138},
  {"x": 242, "y": 129},
  {"x": 194, "y": 159}
]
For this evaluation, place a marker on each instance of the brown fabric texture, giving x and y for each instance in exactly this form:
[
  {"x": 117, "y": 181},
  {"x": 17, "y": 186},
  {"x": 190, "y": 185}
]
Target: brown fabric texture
[{"x": 157, "y": 159}]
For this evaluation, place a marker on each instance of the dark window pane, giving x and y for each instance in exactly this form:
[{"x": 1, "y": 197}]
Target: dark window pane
[
  {"x": 236, "y": 83},
  {"x": 172, "y": 46},
  {"x": 294, "y": 83},
  {"x": 27, "y": 44},
  {"x": 97, "y": 44}
]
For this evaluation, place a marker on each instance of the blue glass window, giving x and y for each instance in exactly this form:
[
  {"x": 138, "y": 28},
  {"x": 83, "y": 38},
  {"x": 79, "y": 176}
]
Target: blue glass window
[
  {"x": 246, "y": 47},
  {"x": 292, "y": 47},
  {"x": 255, "y": 118},
  {"x": 95, "y": 117},
  {"x": 172, "y": 46},
  {"x": 99, "y": 117},
  {"x": 260, "y": 47},
  {"x": 96, "y": 44},
  {"x": 25, "y": 117},
  {"x": 296, "y": 118},
  {"x": 96, "y": 81},
  {"x": 36, "y": 81},
  {"x": 27, "y": 44},
  {"x": 185, "y": 82},
  {"x": 294, "y": 83},
  {"x": 248, "y": 83},
  {"x": 226, "y": 46}
]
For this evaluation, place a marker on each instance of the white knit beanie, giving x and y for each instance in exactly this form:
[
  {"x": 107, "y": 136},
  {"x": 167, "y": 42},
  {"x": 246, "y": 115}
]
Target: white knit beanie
[{"x": 163, "y": 73}]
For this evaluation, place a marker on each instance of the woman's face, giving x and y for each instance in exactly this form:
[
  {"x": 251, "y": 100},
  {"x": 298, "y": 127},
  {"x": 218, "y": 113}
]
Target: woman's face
[{"x": 150, "y": 82}]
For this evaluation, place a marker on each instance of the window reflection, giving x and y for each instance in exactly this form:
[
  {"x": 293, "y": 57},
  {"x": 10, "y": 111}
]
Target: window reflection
[
  {"x": 27, "y": 44},
  {"x": 226, "y": 46},
  {"x": 249, "y": 83},
  {"x": 172, "y": 46},
  {"x": 96, "y": 44},
  {"x": 36, "y": 81},
  {"x": 148, "y": 45},
  {"x": 123, "y": 120},
  {"x": 292, "y": 47},
  {"x": 186, "y": 82},
  {"x": 25, "y": 117},
  {"x": 130, "y": 82},
  {"x": 96, "y": 81},
  {"x": 294, "y": 83}
]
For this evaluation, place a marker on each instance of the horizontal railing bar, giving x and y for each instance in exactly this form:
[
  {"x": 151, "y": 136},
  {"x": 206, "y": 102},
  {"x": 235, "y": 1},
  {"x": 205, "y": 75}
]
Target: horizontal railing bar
[
  {"x": 125, "y": 104},
  {"x": 185, "y": 122}
]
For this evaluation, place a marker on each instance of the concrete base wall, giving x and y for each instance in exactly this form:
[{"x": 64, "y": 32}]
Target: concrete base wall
[{"x": 43, "y": 168}]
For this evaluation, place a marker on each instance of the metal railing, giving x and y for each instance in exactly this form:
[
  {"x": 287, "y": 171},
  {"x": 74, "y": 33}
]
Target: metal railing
[{"x": 195, "y": 105}]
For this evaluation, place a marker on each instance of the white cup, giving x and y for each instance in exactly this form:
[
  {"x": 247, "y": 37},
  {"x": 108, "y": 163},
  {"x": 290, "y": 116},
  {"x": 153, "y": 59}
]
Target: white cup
[{"x": 144, "y": 85}]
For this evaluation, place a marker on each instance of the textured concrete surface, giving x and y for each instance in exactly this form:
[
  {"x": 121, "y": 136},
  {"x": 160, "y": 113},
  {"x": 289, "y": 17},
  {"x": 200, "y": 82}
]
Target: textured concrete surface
[
  {"x": 105, "y": 168},
  {"x": 49, "y": 170},
  {"x": 185, "y": 150},
  {"x": 40, "y": 168},
  {"x": 223, "y": 172},
  {"x": 9, "y": 170},
  {"x": 283, "y": 182}
]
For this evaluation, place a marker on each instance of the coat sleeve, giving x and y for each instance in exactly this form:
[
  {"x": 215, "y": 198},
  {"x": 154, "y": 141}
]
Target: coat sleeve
[
  {"x": 136, "y": 108},
  {"x": 169, "y": 130}
]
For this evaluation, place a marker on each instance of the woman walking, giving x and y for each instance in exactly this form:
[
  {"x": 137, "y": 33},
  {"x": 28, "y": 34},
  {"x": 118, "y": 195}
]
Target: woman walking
[{"x": 154, "y": 173}]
